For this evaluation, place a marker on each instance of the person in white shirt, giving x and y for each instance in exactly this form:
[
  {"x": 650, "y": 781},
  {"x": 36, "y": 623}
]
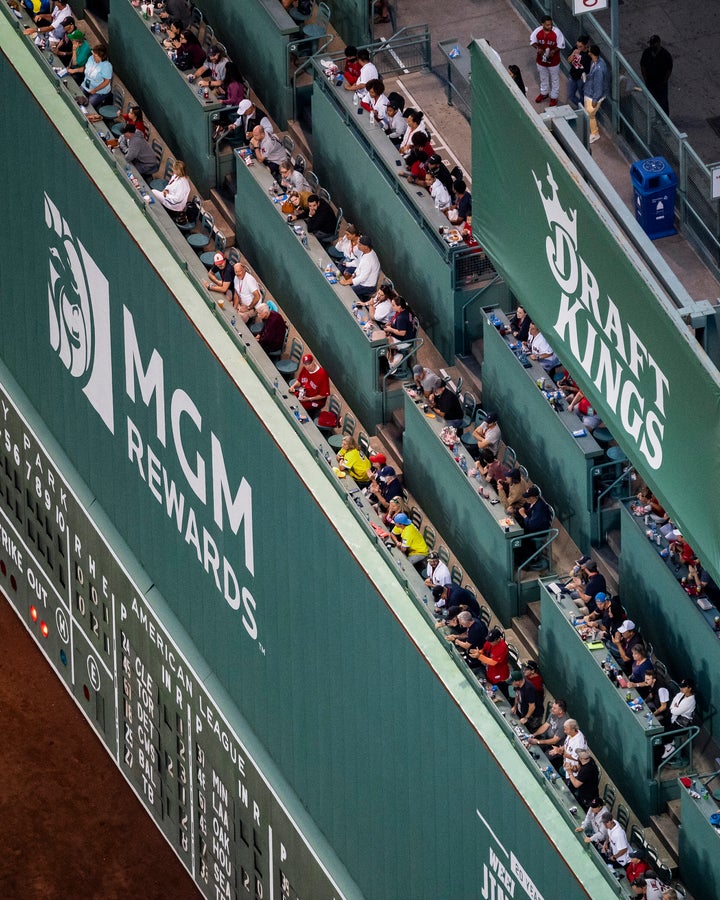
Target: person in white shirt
[
  {"x": 615, "y": 849},
  {"x": 538, "y": 348},
  {"x": 175, "y": 196},
  {"x": 682, "y": 710},
  {"x": 368, "y": 71},
  {"x": 593, "y": 826},
  {"x": 437, "y": 573},
  {"x": 438, "y": 192},
  {"x": 246, "y": 292},
  {"x": 52, "y": 24},
  {"x": 394, "y": 123},
  {"x": 574, "y": 742},
  {"x": 378, "y": 100},
  {"x": 364, "y": 280}
]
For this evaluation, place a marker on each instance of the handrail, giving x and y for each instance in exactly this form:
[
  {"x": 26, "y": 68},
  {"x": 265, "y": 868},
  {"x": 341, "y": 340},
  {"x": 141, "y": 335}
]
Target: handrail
[
  {"x": 525, "y": 565},
  {"x": 476, "y": 296},
  {"x": 413, "y": 346},
  {"x": 692, "y": 732},
  {"x": 307, "y": 62},
  {"x": 596, "y": 470}
]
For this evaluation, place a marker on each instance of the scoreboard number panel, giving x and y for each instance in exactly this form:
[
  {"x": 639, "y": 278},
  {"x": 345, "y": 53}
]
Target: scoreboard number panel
[{"x": 131, "y": 679}]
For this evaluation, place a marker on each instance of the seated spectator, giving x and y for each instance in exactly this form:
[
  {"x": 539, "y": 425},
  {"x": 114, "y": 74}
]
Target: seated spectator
[
  {"x": 612, "y": 617},
  {"x": 550, "y": 736},
  {"x": 593, "y": 825},
  {"x": 351, "y": 68},
  {"x": 364, "y": 281},
  {"x": 37, "y": 8},
  {"x": 473, "y": 637},
  {"x": 625, "y": 638},
  {"x": 488, "y": 434},
  {"x": 409, "y": 539},
  {"x": 312, "y": 384},
  {"x": 526, "y": 707},
  {"x": 190, "y": 54},
  {"x": 382, "y": 13},
  {"x": 424, "y": 381},
  {"x": 585, "y": 782},
  {"x": 177, "y": 10},
  {"x": 681, "y": 553},
  {"x": 380, "y": 305},
  {"x": 489, "y": 466},
  {"x": 246, "y": 292},
  {"x": 378, "y": 100},
  {"x": 417, "y": 169},
  {"x": 232, "y": 91},
  {"x": 345, "y": 252},
  {"x": 682, "y": 710},
  {"x": 321, "y": 219},
  {"x": 214, "y": 65},
  {"x": 637, "y": 867},
  {"x": 272, "y": 337},
  {"x": 220, "y": 277},
  {"x": 134, "y": 116},
  {"x": 442, "y": 173},
  {"x": 396, "y": 506},
  {"x": 585, "y": 586},
  {"x": 291, "y": 179},
  {"x": 461, "y": 210},
  {"x": 400, "y": 330},
  {"x": 97, "y": 81},
  {"x": 438, "y": 191},
  {"x": 520, "y": 325},
  {"x": 384, "y": 487},
  {"x": 353, "y": 461},
  {"x": 174, "y": 31},
  {"x": 299, "y": 200},
  {"x": 51, "y": 24},
  {"x": 494, "y": 656},
  {"x": 414, "y": 123},
  {"x": 572, "y": 745},
  {"x": 649, "y": 505},
  {"x": 649, "y": 887},
  {"x": 535, "y": 512},
  {"x": 175, "y": 196},
  {"x": 615, "y": 849},
  {"x": 81, "y": 53},
  {"x": 268, "y": 150},
  {"x": 394, "y": 124},
  {"x": 249, "y": 116},
  {"x": 420, "y": 149},
  {"x": 601, "y": 603},
  {"x": 450, "y": 623},
  {"x": 657, "y": 698},
  {"x": 137, "y": 151},
  {"x": 538, "y": 349},
  {"x": 640, "y": 667},
  {"x": 511, "y": 488},
  {"x": 449, "y": 595},
  {"x": 446, "y": 404},
  {"x": 437, "y": 572},
  {"x": 580, "y": 405},
  {"x": 64, "y": 47}
]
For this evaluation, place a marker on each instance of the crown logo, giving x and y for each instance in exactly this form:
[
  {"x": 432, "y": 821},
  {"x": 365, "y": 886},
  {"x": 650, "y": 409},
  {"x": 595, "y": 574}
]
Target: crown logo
[{"x": 554, "y": 212}]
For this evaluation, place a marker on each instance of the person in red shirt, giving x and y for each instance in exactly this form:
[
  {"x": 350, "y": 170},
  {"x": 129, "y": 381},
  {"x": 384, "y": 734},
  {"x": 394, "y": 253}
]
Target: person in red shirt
[
  {"x": 312, "y": 385},
  {"x": 494, "y": 656},
  {"x": 351, "y": 71},
  {"x": 548, "y": 41}
]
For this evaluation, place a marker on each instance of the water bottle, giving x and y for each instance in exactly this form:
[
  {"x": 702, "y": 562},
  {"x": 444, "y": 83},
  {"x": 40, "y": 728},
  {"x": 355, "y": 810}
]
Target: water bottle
[
  {"x": 320, "y": 263},
  {"x": 128, "y": 171},
  {"x": 355, "y": 98},
  {"x": 463, "y": 464},
  {"x": 232, "y": 322},
  {"x": 304, "y": 240},
  {"x": 275, "y": 383}
]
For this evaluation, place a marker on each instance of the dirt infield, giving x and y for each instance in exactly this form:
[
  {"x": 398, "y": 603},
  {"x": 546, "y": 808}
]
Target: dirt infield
[{"x": 70, "y": 826}]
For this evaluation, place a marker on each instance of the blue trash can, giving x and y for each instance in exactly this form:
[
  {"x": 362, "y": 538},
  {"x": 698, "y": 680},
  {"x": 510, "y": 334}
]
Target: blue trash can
[{"x": 654, "y": 184}]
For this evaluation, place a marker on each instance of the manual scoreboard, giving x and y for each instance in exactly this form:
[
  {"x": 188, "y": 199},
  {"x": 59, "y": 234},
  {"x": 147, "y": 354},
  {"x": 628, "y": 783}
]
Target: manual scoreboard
[{"x": 137, "y": 678}]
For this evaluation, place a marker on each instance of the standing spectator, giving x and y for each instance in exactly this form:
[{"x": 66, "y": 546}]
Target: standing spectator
[
  {"x": 272, "y": 336},
  {"x": 521, "y": 325},
  {"x": 551, "y": 734},
  {"x": 579, "y": 61},
  {"x": 573, "y": 744},
  {"x": 548, "y": 41},
  {"x": 494, "y": 656},
  {"x": 64, "y": 49},
  {"x": 312, "y": 385},
  {"x": 641, "y": 666},
  {"x": 656, "y": 65},
  {"x": 597, "y": 85},
  {"x": 532, "y": 674},
  {"x": 593, "y": 826},
  {"x": 437, "y": 572}
]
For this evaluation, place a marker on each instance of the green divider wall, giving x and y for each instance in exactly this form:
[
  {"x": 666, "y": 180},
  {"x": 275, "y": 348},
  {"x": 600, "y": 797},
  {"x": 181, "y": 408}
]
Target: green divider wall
[
  {"x": 408, "y": 255},
  {"x": 257, "y": 34},
  {"x": 350, "y": 18},
  {"x": 437, "y": 482},
  {"x": 162, "y": 91},
  {"x": 670, "y": 620},
  {"x": 614, "y": 734},
  {"x": 558, "y": 462},
  {"x": 292, "y": 275},
  {"x": 699, "y": 846},
  {"x": 317, "y": 644}
]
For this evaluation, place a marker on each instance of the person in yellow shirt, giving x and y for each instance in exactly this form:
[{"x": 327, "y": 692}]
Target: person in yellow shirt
[
  {"x": 409, "y": 539},
  {"x": 355, "y": 463}
]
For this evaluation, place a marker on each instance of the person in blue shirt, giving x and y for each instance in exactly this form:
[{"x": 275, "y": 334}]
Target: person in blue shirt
[
  {"x": 97, "y": 83},
  {"x": 597, "y": 85}
]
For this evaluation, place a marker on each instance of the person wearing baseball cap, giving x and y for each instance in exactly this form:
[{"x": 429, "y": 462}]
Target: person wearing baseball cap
[
  {"x": 249, "y": 115},
  {"x": 624, "y": 639},
  {"x": 384, "y": 484},
  {"x": 220, "y": 277},
  {"x": 312, "y": 385},
  {"x": 409, "y": 539}
]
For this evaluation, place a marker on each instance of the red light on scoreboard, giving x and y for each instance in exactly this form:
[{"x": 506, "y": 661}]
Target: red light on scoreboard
[
  {"x": 44, "y": 630},
  {"x": 33, "y": 614}
]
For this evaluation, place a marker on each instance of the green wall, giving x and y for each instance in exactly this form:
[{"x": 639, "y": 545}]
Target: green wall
[
  {"x": 351, "y": 20},
  {"x": 699, "y": 846}
]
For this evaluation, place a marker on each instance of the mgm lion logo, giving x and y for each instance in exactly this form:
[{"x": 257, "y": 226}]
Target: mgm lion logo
[{"x": 79, "y": 313}]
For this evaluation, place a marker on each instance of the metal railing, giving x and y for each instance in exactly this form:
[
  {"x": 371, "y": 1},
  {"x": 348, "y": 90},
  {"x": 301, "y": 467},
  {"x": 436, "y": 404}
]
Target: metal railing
[
  {"x": 531, "y": 563},
  {"x": 602, "y": 489},
  {"x": 408, "y": 349},
  {"x": 690, "y": 732},
  {"x": 646, "y": 130}
]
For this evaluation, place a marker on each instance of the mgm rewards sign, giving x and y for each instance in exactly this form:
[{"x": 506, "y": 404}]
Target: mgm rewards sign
[{"x": 593, "y": 299}]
